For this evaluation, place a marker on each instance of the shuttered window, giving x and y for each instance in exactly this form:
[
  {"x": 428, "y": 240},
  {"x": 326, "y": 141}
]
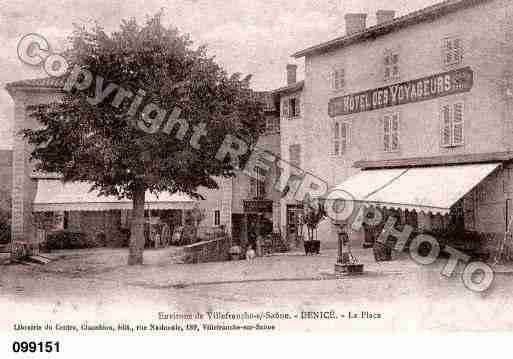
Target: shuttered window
[
  {"x": 217, "y": 218},
  {"x": 252, "y": 187},
  {"x": 285, "y": 109},
  {"x": 452, "y": 125},
  {"x": 340, "y": 137},
  {"x": 257, "y": 184},
  {"x": 391, "y": 132},
  {"x": 295, "y": 105},
  {"x": 338, "y": 80},
  {"x": 291, "y": 108},
  {"x": 457, "y": 124},
  {"x": 391, "y": 66},
  {"x": 452, "y": 51},
  {"x": 446, "y": 125},
  {"x": 260, "y": 187}
]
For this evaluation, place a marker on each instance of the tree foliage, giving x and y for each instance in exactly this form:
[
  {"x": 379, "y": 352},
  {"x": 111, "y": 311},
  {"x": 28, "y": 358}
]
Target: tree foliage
[{"x": 102, "y": 144}]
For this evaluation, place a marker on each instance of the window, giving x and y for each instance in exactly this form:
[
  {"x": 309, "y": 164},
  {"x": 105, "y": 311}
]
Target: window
[
  {"x": 272, "y": 124},
  {"x": 285, "y": 109},
  {"x": 391, "y": 66},
  {"x": 452, "y": 51},
  {"x": 217, "y": 218},
  {"x": 391, "y": 132},
  {"x": 260, "y": 186},
  {"x": 252, "y": 187},
  {"x": 340, "y": 137},
  {"x": 291, "y": 108},
  {"x": 66, "y": 220},
  {"x": 338, "y": 80},
  {"x": 452, "y": 133},
  {"x": 257, "y": 185},
  {"x": 295, "y": 155}
]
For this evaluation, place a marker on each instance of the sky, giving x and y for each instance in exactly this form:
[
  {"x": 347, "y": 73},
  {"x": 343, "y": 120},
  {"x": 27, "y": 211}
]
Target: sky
[{"x": 249, "y": 36}]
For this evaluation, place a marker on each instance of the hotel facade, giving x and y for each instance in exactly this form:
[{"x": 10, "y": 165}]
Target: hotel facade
[{"x": 413, "y": 115}]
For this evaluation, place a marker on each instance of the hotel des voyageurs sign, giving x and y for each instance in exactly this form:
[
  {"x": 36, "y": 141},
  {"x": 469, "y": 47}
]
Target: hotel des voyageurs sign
[{"x": 426, "y": 88}]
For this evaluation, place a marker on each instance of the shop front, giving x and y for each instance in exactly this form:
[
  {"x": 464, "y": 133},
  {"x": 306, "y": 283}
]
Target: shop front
[
  {"x": 460, "y": 204},
  {"x": 104, "y": 220},
  {"x": 293, "y": 224},
  {"x": 258, "y": 220}
]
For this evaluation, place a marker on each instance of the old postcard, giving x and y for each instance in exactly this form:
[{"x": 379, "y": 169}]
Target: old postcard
[{"x": 178, "y": 168}]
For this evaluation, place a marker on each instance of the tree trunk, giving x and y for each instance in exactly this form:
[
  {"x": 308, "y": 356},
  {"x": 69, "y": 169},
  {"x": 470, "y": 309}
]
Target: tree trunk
[{"x": 137, "y": 240}]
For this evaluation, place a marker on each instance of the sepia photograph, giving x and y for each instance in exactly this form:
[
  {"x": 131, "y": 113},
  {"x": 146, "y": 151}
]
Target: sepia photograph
[{"x": 209, "y": 167}]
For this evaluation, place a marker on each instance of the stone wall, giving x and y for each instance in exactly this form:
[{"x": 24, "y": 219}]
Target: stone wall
[{"x": 216, "y": 250}]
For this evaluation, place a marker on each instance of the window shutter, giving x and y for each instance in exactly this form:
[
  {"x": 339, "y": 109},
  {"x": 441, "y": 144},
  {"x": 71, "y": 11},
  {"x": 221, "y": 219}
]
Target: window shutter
[
  {"x": 297, "y": 110},
  {"x": 336, "y": 139},
  {"x": 252, "y": 187},
  {"x": 394, "y": 133},
  {"x": 452, "y": 51},
  {"x": 386, "y": 133},
  {"x": 458, "y": 50},
  {"x": 287, "y": 106},
  {"x": 387, "y": 73},
  {"x": 343, "y": 137},
  {"x": 338, "y": 79},
  {"x": 446, "y": 126},
  {"x": 285, "y": 109},
  {"x": 217, "y": 218},
  {"x": 261, "y": 179},
  {"x": 458, "y": 124},
  {"x": 336, "y": 147}
]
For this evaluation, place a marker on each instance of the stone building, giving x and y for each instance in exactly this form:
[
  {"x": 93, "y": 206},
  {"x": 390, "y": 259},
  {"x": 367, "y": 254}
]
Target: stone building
[
  {"x": 414, "y": 114},
  {"x": 291, "y": 148}
]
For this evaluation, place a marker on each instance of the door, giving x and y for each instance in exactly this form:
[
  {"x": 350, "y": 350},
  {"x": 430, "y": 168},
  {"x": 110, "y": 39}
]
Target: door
[
  {"x": 293, "y": 223},
  {"x": 237, "y": 227}
]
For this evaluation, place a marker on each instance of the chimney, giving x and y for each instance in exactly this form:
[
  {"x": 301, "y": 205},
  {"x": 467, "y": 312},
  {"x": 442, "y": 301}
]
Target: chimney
[
  {"x": 355, "y": 23},
  {"x": 384, "y": 16},
  {"x": 291, "y": 74}
]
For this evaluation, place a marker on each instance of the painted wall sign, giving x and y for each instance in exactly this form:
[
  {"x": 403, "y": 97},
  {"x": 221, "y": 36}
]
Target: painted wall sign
[{"x": 426, "y": 88}]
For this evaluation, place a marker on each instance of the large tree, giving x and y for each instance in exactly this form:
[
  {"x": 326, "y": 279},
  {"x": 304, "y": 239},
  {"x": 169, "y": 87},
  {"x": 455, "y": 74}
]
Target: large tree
[{"x": 95, "y": 134}]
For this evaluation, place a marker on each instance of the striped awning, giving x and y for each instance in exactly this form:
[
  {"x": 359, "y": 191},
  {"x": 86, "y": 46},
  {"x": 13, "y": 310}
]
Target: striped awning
[{"x": 54, "y": 195}]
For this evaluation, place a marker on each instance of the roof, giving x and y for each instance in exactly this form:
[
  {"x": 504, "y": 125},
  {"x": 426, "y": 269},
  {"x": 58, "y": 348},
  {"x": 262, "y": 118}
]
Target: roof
[
  {"x": 436, "y": 160},
  {"x": 298, "y": 86},
  {"x": 41, "y": 83},
  {"x": 427, "y": 14}
]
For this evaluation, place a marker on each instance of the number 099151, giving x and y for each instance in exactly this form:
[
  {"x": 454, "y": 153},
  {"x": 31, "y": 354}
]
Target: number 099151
[{"x": 35, "y": 347}]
